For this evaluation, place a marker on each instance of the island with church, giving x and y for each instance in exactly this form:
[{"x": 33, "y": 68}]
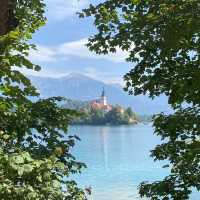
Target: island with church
[{"x": 100, "y": 112}]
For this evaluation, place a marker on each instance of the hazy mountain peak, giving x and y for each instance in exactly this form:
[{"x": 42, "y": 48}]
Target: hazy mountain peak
[
  {"x": 81, "y": 87},
  {"x": 76, "y": 75}
]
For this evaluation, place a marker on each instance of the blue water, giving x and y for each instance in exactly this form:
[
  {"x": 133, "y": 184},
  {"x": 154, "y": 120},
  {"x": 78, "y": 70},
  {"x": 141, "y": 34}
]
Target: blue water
[{"x": 117, "y": 159}]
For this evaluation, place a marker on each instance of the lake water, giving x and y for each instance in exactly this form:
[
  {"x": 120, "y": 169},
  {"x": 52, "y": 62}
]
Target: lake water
[{"x": 117, "y": 159}]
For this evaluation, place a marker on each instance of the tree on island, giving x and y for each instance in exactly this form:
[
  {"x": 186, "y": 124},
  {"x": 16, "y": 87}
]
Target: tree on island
[
  {"x": 35, "y": 152},
  {"x": 129, "y": 112},
  {"x": 95, "y": 116},
  {"x": 117, "y": 116},
  {"x": 162, "y": 39}
]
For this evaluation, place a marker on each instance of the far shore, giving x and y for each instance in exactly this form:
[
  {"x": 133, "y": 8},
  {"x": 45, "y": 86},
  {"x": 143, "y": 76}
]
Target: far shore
[{"x": 112, "y": 125}]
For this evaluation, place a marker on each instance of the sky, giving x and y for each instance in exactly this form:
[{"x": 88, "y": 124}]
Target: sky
[{"x": 61, "y": 45}]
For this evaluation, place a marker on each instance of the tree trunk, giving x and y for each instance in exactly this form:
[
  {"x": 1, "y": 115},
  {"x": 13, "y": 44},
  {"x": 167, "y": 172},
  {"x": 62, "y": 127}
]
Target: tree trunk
[
  {"x": 3, "y": 16},
  {"x": 8, "y": 21}
]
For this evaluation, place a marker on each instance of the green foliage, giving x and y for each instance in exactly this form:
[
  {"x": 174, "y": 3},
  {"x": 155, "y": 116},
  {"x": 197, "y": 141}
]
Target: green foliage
[
  {"x": 145, "y": 118},
  {"x": 117, "y": 116},
  {"x": 90, "y": 116},
  {"x": 76, "y": 104},
  {"x": 96, "y": 116},
  {"x": 35, "y": 151},
  {"x": 162, "y": 40}
]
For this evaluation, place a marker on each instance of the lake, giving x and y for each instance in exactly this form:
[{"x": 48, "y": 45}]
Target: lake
[{"x": 117, "y": 159}]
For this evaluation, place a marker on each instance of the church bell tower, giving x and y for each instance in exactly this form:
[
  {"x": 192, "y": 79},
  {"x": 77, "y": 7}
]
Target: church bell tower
[{"x": 103, "y": 98}]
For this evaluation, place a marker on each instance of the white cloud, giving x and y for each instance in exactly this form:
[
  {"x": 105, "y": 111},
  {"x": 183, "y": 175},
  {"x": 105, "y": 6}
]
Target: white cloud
[
  {"x": 45, "y": 72},
  {"x": 43, "y": 54},
  {"x": 78, "y": 49},
  {"x": 75, "y": 49},
  {"x": 103, "y": 76},
  {"x": 87, "y": 71},
  {"x": 58, "y": 10}
]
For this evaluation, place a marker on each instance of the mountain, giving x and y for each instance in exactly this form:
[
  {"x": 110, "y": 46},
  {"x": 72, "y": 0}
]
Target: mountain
[{"x": 81, "y": 87}]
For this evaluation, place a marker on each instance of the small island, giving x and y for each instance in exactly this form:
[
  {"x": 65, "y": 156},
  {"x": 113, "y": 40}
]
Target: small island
[{"x": 99, "y": 112}]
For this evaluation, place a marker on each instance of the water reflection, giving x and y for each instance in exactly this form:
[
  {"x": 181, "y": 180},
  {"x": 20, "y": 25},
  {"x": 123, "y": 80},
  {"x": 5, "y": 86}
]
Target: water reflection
[
  {"x": 104, "y": 146},
  {"x": 117, "y": 159}
]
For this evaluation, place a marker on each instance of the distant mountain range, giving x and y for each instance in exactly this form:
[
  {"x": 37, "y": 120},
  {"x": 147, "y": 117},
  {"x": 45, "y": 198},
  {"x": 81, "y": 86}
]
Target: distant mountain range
[{"x": 81, "y": 87}]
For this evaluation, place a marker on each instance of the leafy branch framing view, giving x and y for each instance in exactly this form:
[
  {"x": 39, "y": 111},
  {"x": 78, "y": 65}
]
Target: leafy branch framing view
[
  {"x": 35, "y": 158},
  {"x": 162, "y": 39}
]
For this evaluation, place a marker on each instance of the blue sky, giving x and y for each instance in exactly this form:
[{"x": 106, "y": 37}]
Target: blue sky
[{"x": 61, "y": 45}]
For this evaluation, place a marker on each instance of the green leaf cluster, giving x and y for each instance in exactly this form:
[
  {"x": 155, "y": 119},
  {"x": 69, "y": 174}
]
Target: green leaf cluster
[{"x": 35, "y": 150}]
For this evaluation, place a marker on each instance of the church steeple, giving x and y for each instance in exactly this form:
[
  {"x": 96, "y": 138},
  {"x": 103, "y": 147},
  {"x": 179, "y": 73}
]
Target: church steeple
[
  {"x": 103, "y": 97},
  {"x": 103, "y": 92}
]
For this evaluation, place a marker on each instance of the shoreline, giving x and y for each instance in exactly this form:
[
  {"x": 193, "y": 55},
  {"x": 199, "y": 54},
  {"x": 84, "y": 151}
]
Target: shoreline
[{"x": 112, "y": 125}]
